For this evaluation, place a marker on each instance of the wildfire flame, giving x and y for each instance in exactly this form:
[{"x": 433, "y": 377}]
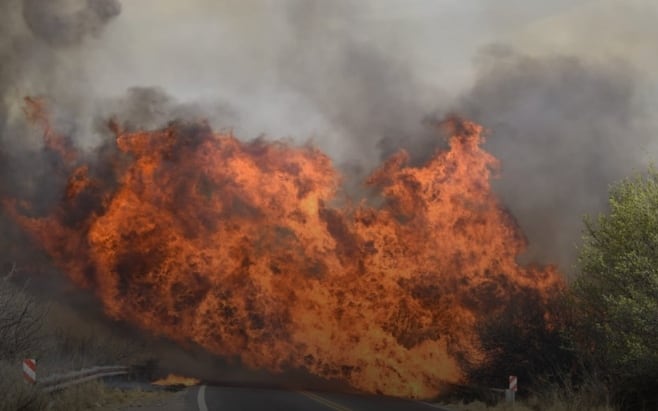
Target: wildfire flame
[
  {"x": 173, "y": 379},
  {"x": 241, "y": 248}
]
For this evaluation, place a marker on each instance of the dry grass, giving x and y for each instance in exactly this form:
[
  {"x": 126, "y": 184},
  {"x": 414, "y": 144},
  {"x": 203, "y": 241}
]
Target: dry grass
[
  {"x": 79, "y": 397},
  {"x": 144, "y": 400},
  {"x": 76, "y": 342},
  {"x": 95, "y": 395},
  {"x": 16, "y": 393},
  {"x": 61, "y": 340},
  {"x": 21, "y": 319},
  {"x": 550, "y": 402}
]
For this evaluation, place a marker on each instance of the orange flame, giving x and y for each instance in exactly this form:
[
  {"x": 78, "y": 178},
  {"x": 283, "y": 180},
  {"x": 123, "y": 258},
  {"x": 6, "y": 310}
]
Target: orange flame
[
  {"x": 241, "y": 248},
  {"x": 173, "y": 379}
]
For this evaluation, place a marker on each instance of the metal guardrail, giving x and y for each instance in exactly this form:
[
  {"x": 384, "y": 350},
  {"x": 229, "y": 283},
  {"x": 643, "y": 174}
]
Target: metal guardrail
[{"x": 60, "y": 381}]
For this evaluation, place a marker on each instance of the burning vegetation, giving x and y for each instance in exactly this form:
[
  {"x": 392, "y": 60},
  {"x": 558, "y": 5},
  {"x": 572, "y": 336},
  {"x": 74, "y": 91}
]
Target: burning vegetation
[
  {"x": 176, "y": 380},
  {"x": 245, "y": 249},
  {"x": 412, "y": 284}
]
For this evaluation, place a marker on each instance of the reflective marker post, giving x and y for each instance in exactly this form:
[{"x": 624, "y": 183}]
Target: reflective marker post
[{"x": 30, "y": 370}]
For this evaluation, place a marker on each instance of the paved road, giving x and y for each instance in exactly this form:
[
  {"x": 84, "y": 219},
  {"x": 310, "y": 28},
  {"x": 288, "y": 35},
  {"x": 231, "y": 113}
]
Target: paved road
[{"x": 208, "y": 398}]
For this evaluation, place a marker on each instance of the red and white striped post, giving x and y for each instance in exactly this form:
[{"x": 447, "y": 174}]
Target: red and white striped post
[{"x": 30, "y": 370}]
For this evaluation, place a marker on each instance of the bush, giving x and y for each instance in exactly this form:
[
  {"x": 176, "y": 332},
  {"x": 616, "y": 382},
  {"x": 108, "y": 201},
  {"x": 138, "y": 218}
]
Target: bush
[
  {"x": 616, "y": 292},
  {"x": 21, "y": 319},
  {"x": 60, "y": 340},
  {"x": 588, "y": 396},
  {"x": 16, "y": 393},
  {"x": 525, "y": 340},
  {"x": 79, "y": 342}
]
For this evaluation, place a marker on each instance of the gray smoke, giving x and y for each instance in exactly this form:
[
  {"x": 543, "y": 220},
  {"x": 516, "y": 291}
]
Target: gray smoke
[
  {"x": 373, "y": 100},
  {"x": 564, "y": 130},
  {"x": 564, "y": 126},
  {"x": 568, "y": 115},
  {"x": 32, "y": 34},
  {"x": 47, "y": 21}
]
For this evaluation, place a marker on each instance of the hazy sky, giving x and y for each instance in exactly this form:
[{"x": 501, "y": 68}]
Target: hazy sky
[
  {"x": 232, "y": 50},
  {"x": 229, "y": 49}
]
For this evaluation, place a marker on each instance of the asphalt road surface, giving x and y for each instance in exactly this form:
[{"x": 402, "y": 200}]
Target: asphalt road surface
[{"x": 209, "y": 398}]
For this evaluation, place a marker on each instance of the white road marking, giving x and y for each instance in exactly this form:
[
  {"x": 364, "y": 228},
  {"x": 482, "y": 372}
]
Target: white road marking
[
  {"x": 333, "y": 405},
  {"x": 201, "y": 398}
]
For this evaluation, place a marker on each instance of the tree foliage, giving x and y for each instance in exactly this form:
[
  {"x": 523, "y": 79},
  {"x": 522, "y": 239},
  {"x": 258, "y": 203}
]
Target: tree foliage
[{"x": 616, "y": 291}]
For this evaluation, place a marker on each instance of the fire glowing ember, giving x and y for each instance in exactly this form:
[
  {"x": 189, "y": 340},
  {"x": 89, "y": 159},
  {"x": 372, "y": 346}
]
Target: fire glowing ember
[
  {"x": 244, "y": 249},
  {"x": 173, "y": 379}
]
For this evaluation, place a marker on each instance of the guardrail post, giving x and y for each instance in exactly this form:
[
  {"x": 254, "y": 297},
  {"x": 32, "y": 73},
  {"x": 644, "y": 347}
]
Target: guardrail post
[
  {"x": 510, "y": 393},
  {"x": 509, "y": 396}
]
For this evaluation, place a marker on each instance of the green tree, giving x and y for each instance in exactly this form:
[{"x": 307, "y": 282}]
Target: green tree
[{"x": 616, "y": 290}]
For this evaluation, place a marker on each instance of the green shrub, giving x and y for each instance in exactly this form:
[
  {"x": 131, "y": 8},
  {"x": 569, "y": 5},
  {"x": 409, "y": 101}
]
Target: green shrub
[{"x": 615, "y": 295}]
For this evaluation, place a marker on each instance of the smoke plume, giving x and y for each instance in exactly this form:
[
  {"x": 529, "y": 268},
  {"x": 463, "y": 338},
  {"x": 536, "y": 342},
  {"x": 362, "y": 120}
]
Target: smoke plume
[
  {"x": 47, "y": 21},
  {"x": 564, "y": 129},
  {"x": 567, "y": 117}
]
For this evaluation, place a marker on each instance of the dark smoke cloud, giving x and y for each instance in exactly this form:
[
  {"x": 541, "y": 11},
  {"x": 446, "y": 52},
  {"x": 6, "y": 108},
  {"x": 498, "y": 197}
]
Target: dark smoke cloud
[
  {"x": 371, "y": 96},
  {"x": 563, "y": 125},
  {"x": 153, "y": 107},
  {"x": 21, "y": 52},
  {"x": 564, "y": 130},
  {"x": 31, "y": 32},
  {"x": 43, "y": 44},
  {"x": 48, "y": 23}
]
